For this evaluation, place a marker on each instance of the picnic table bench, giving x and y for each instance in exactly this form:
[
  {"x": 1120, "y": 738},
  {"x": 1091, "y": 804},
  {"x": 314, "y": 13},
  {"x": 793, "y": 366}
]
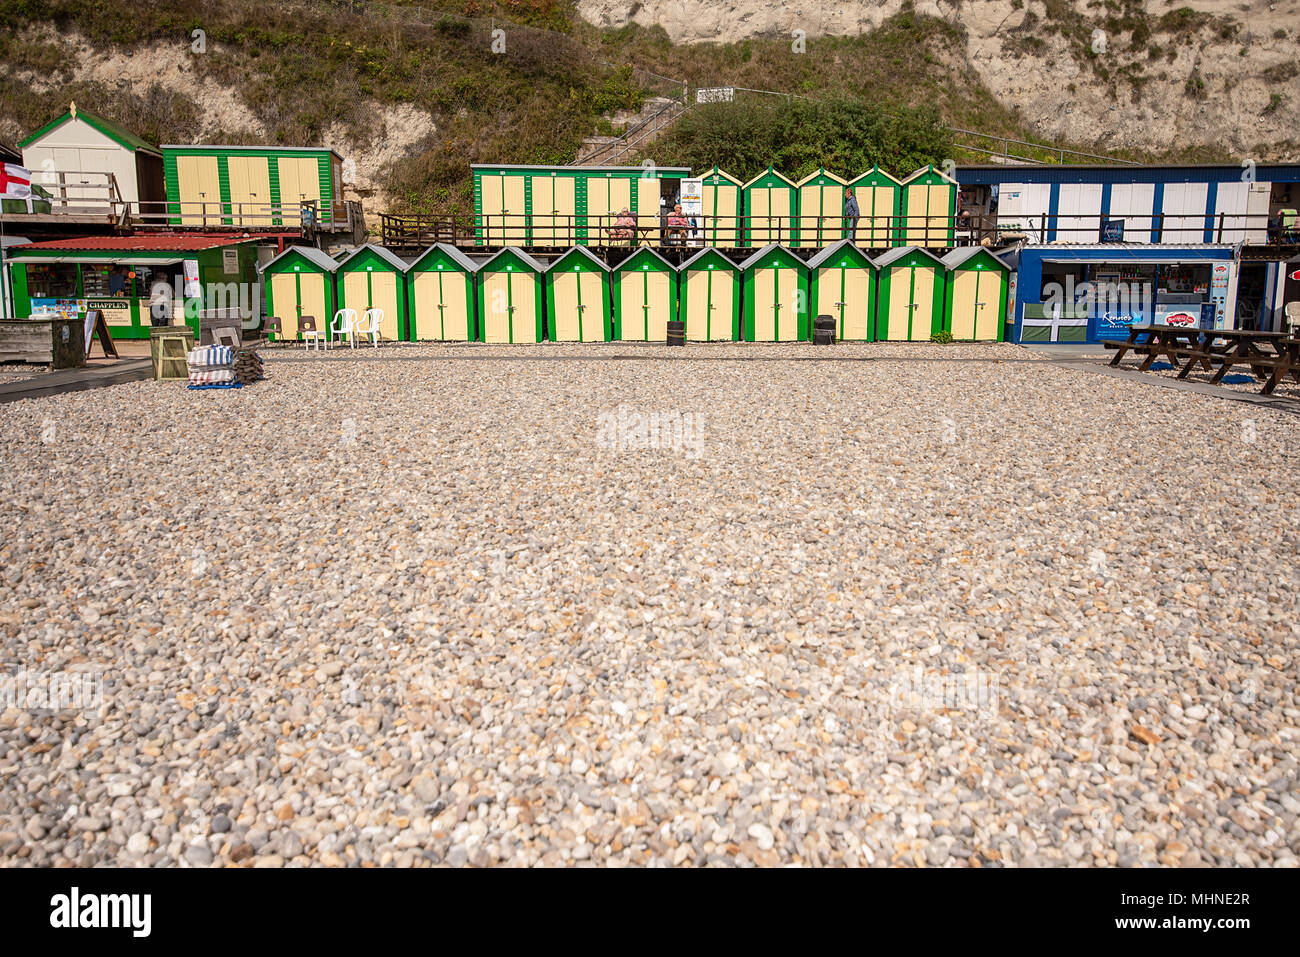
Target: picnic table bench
[{"x": 1271, "y": 356}]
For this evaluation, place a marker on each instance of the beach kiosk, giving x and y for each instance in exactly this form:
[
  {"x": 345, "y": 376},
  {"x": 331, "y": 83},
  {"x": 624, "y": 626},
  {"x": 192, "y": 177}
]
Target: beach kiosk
[
  {"x": 372, "y": 277},
  {"x": 821, "y": 210},
  {"x": 133, "y": 281},
  {"x": 975, "y": 304},
  {"x": 842, "y": 283},
  {"x": 721, "y": 209},
  {"x": 909, "y": 303},
  {"x": 770, "y": 204},
  {"x": 880, "y": 202},
  {"x": 775, "y": 297},
  {"x": 510, "y": 301},
  {"x": 300, "y": 282},
  {"x": 708, "y": 290},
  {"x": 440, "y": 295},
  {"x": 577, "y": 298},
  {"x": 645, "y": 296},
  {"x": 929, "y": 205}
]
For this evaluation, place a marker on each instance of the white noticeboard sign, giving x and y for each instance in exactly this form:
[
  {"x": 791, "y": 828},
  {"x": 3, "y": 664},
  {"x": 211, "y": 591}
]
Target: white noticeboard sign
[
  {"x": 715, "y": 94},
  {"x": 230, "y": 262},
  {"x": 193, "y": 290},
  {"x": 692, "y": 197}
]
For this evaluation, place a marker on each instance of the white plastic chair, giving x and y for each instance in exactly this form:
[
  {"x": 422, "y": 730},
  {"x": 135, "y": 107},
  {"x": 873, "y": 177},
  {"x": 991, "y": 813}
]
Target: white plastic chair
[
  {"x": 371, "y": 322},
  {"x": 345, "y": 325},
  {"x": 1292, "y": 312}
]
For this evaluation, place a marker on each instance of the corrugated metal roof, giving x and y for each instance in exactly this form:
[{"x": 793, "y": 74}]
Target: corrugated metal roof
[
  {"x": 518, "y": 253},
  {"x": 310, "y": 253},
  {"x": 452, "y": 252},
  {"x": 583, "y": 252},
  {"x": 687, "y": 264},
  {"x": 833, "y": 250},
  {"x": 387, "y": 255},
  {"x": 582, "y": 170},
  {"x": 885, "y": 259},
  {"x": 763, "y": 252},
  {"x": 167, "y": 243},
  {"x": 1220, "y": 173},
  {"x": 963, "y": 253}
]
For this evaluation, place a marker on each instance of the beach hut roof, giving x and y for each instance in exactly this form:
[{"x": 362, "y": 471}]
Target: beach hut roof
[
  {"x": 451, "y": 252},
  {"x": 821, "y": 171},
  {"x": 310, "y": 253},
  {"x": 518, "y": 254},
  {"x": 964, "y": 253},
  {"x": 769, "y": 172},
  {"x": 929, "y": 169},
  {"x": 644, "y": 251},
  {"x": 877, "y": 171},
  {"x": 582, "y": 252},
  {"x": 706, "y": 251},
  {"x": 763, "y": 252},
  {"x": 723, "y": 173},
  {"x": 830, "y": 252},
  {"x": 387, "y": 255},
  {"x": 891, "y": 257}
]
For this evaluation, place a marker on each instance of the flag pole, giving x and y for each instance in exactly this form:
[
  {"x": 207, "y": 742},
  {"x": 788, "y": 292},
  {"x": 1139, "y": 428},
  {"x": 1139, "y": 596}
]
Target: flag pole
[{"x": 6, "y": 284}]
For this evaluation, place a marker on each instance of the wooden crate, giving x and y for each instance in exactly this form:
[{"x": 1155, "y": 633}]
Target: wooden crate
[
  {"x": 54, "y": 341},
  {"x": 168, "y": 347}
]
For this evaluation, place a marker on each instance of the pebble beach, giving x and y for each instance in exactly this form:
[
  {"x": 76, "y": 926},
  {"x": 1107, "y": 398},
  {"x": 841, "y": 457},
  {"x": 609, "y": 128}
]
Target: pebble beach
[{"x": 459, "y": 605}]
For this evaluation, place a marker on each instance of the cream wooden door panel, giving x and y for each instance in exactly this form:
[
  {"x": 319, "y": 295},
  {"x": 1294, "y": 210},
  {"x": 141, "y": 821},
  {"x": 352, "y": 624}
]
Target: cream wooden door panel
[
  {"x": 900, "y": 303},
  {"x": 566, "y": 208},
  {"x": 647, "y": 210},
  {"x": 591, "y": 309},
  {"x": 311, "y": 288},
  {"x": 633, "y": 307},
  {"x": 964, "y": 294},
  {"x": 720, "y": 208},
  {"x": 356, "y": 296},
  {"x": 299, "y": 180},
  {"x": 988, "y": 304},
  {"x": 760, "y": 225},
  {"x": 425, "y": 306},
  {"x": 828, "y": 293},
  {"x": 290, "y": 191},
  {"x": 564, "y": 299},
  {"x": 250, "y": 190},
  {"x": 787, "y": 313},
  {"x": 940, "y": 202},
  {"x": 782, "y": 219},
  {"x": 492, "y": 203},
  {"x": 284, "y": 298},
  {"x": 810, "y": 213},
  {"x": 523, "y": 318},
  {"x": 543, "y": 218},
  {"x": 857, "y": 305},
  {"x": 455, "y": 306},
  {"x": 765, "y": 302},
  {"x": 383, "y": 295},
  {"x": 200, "y": 189},
  {"x": 918, "y": 202},
  {"x": 660, "y": 301},
  {"x": 923, "y": 300},
  {"x": 516, "y": 230},
  {"x": 697, "y": 305},
  {"x": 496, "y": 307}
]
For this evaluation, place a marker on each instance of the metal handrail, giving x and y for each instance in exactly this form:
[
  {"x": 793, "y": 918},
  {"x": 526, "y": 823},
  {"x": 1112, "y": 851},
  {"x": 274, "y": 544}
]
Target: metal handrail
[{"x": 557, "y": 230}]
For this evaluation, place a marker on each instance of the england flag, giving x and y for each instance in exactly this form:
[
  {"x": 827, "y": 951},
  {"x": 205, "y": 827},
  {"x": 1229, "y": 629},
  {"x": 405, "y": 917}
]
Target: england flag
[{"x": 15, "y": 182}]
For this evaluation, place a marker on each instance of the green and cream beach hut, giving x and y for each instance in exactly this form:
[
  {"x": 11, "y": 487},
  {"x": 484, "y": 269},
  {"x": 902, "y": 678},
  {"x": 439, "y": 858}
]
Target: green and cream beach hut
[
  {"x": 511, "y": 304},
  {"x": 300, "y": 282},
  {"x": 771, "y": 202},
  {"x": 909, "y": 303},
  {"x": 372, "y": 277},
  {"x": 821, "y": 210},
  {"x": 708, "y": 291},
  {"x": 577, "y": 298},
  {"x": 929, "y": 205},
  {"x": 645, "y": 296},
  {"x": 775, "y": 297},
  {"x": 842, "y": 283},
  {"x": 880, "y": 202},
  {"x": 975, "y": 304},
  {"x": 440, "y": 296},
  {"x": 720, "y": 202}
]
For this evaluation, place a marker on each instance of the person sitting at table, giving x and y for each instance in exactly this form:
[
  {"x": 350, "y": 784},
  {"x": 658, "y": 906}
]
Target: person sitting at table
[
  {"x": 624, "y": 226},
  {"x": 678, "y": 226}
]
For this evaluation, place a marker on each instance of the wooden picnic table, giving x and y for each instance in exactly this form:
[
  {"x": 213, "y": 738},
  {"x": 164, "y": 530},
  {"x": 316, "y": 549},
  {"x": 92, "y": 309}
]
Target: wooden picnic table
[
  {"x": 1153, "y": 340},
  {"x": 1271, "y": 356}
]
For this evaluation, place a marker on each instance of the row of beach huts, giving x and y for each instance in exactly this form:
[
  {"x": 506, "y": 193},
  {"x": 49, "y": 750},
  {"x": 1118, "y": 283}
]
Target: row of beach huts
[{"x": 444, "y": 294}]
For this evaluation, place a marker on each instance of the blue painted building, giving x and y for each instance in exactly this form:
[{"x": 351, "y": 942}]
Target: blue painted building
[{"x": 1177, "y": 232}]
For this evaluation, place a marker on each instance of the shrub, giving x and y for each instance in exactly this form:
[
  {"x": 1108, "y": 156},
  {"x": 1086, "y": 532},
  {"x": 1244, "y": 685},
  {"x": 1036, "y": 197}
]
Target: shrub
[{"x": 943, "y": 337}]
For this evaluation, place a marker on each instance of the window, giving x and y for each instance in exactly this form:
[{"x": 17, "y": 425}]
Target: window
[{"x": 55, "y": 281}]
